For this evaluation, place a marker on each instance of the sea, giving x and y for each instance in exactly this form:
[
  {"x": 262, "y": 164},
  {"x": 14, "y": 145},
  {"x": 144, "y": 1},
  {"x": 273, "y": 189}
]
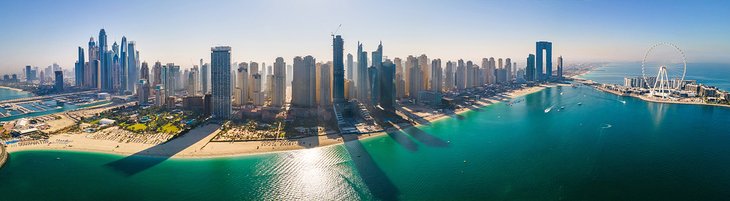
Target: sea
[{"x": 562, "y": 143}]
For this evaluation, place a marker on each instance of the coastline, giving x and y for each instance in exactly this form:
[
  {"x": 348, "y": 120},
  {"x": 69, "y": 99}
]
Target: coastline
[
  {"x": 14, "y": 89},
  {"x": 195, "y": 144}
]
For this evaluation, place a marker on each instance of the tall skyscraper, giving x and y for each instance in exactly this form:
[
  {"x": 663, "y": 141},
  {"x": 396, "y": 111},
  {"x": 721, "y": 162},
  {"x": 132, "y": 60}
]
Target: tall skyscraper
[
  {"x": 377, "y": 63},
  {"x": 204, "y": 75},
  {"x": 192, "y": 81},
  {"x": 362, "y": 74},
  {"x": 350, "y": 67},
  {"x": 387, "y": 85},
  {"x": 125, "y": 81},
  {"x": 220, "y": 59},
  {"x": 560, "y": 68},
  {"x": 91, "y": 71},
  {"x": 58, "y": 86},
  {"x": 144, "y": 72},
  {"x": 132, "y": 59},
  {"x": 399, "y": 79},
  {"x": 415, "y": 77},
  {"x": 425, "y": 71},
  {"x": 279, "y": 80},
  {"x": 530, "y": 69},
  {"x": 104, "y": 57},
  {"x": 508, "y": 67},
  {"x": 304, "y": 85},
  {"x": 325, "y": 90},
  {"x": 436, "y": 76},
  {"x": 449, "y": 78},
  {"x": 242, "y": 82},
  {"x": 79, "y": 69},
  {"x": 460, "y": 75},
  {"x": 547, "y": 47},
  {"x": 338, "y": 92}
]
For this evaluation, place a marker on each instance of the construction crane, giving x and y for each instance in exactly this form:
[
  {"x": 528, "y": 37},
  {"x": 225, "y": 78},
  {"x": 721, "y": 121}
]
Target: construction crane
[{"x": 336, "y": 30}]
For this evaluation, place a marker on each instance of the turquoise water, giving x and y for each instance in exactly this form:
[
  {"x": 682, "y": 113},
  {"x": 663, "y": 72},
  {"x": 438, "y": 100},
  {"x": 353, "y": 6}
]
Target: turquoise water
[
  {"x": 714, "y": 74},
  {"x": 603, "y": 149}
]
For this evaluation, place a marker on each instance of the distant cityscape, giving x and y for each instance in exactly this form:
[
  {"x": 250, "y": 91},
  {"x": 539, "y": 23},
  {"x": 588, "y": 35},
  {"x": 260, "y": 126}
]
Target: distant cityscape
[{"x": 352, "y": 94}]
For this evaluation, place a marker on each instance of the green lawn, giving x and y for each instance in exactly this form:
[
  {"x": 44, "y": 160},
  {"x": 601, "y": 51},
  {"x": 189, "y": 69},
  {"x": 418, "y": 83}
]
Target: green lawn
[
  {"x": 137, "y": 127},
  {"x": 169, "y": 128}
]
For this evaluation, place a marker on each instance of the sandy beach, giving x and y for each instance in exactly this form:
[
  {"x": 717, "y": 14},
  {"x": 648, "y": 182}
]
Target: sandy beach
[{"x": 196, "y": 143}]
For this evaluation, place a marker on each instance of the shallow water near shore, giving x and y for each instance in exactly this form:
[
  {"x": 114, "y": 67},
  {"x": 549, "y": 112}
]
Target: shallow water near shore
[{"x": 605, "y": 148}]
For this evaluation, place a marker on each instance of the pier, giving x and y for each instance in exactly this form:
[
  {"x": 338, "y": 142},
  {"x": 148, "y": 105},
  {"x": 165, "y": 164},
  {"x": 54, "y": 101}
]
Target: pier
[{"x": 3, "y": 155}]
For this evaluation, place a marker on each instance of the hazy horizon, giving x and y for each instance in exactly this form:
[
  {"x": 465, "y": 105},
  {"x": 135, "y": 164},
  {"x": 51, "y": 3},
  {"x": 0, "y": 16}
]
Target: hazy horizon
[{"x": 39, "y": 33}]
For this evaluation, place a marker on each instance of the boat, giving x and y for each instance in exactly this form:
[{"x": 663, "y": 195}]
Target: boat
[
  {"x": 580, "y": 103},
  {"x": 548, "y": 109},
  {"x": 562, "y": 107}
]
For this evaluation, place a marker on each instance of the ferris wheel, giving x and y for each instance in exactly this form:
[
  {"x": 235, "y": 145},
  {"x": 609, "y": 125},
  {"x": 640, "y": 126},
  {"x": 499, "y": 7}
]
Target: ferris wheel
[{"x": 669, "y": 74}]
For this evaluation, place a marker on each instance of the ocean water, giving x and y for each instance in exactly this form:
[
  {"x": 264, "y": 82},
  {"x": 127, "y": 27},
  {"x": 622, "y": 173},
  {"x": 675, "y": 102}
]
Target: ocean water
[
  {"x": 605, "y": 148},
  {"x": 713, "y": 74}
]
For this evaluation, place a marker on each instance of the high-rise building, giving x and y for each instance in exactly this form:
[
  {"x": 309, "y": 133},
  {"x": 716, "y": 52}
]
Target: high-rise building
[
  {"x": 362, "y": 75},
  {"x": 220, "y": 59},
  {"x": 241, "y": 96},
  {"x": 436, "y": 76},
  {"x": 449, "y": 78},
  {"x": 547, "y": 47},
  {"x": 350, "y": 67},
  {"x": 143, "y": 90},
  {"x": 415, "y": 77},
  {"x": 91, "y": 68},
  {"x": 58, "y": 86},
  {"x": 204, "y": 77},
  {"x": 28, "y": 75},
  {"x": 258, "y": 94},
  {"x": 79, "y": 69},
  {"x": 387, "y": 85},
  {"x": 374, "y": 74},
  {"x": 125, "y": 80},
  {"x": 460, "y": 75},
  {"x": 325, "y": 89},
  {"x": 192, "y": 81},
  {"x": 304, "y": 85},
  {"x": 279, "y": 81},
  {"x": 105, "y": 77},
  {"x": 144, "y": 72},
  {"x": 399, "y": 79},
  {"x": 530, "y": 68},
  {"x": 508, "y": 67},
  {"x": 425, "y": 67},
  {"x": 132, "y": 60},
  {"x": 469, "y": 74},
  {"x": 560, "y": 68},
  {"x": 338, "y": 92},
  {"x": 253, "y": 70}
]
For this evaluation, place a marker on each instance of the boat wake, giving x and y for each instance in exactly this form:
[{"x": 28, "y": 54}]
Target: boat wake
[
  {"x": 549, "y": 108},
  {"x": 605, "y": 126}
]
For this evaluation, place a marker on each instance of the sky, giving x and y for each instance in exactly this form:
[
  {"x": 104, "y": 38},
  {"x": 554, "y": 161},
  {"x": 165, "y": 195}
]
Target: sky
[{"x": 43, "y": 32}]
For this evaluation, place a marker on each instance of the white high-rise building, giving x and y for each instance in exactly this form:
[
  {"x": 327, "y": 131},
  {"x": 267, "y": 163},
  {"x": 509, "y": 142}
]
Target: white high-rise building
[
  {"x": 241, "y": 97},
  {"x": 436, "y": 76},
  {"x": 279, "y": 85}
]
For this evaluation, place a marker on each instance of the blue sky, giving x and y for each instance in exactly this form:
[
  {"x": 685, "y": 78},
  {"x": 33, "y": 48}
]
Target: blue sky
[{"x": 40, "y": 32}]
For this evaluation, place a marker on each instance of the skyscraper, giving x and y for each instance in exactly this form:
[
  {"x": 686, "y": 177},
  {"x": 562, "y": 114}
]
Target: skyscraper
[
  {"x": 144, "y": 72},
  {"x": 105, "y": 65},
  {"x": 415, "y": 77},
  {"x": 530, "y": 69},
  {"x": 204, "y": 75},
  {"x": 279, "y": 91},
  {"x": 460, "y": 76},
  {"x": 325, "y": 90},
  {"x": 220, "y": 59},
  {"x": 338, "y": 92},
  {"x": 547, "y": 47},
  {"x": 132, "y": 59},
  {"x": 58, "y": 86},
  {"x": 362, "y": 74},
  {"x": 304, "y": 85},
  {"x": 449, "y": 80},
  {"x": 560, "y": 68},
  {"x": 436, "y": 75},
  {"x": 349, "y": 66},
  {"x": 79, "y": 69},
  {"x": 242, "y": 82},
  {"x": 377, "y": 63},
  {"x": 387, "y": 85},
  {"x": 125, "y": 81}
]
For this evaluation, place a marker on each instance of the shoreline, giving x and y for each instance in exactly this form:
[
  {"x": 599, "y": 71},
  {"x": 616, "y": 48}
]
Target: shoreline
[
  {"x": 184, "y": 148},
  {"x": 14, "y": 89}
]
